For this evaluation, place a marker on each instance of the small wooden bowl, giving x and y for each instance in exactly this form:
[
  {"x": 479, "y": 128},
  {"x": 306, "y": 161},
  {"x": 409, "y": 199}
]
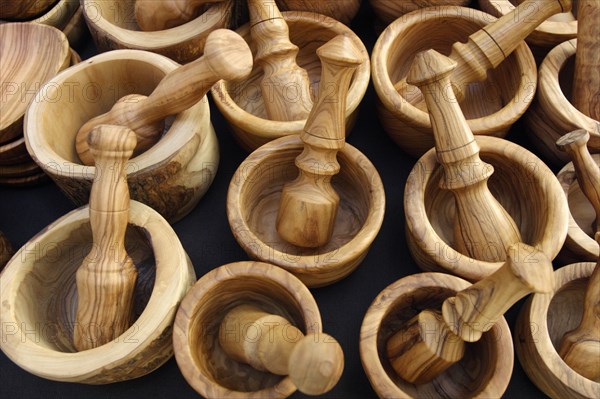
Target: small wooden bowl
[
  {"x": 113, "y": 26},
  {"x": 171, "y": 176},
  {"x": 387, "y": 11},
  {"x": 485, "y": 370},
  {"x": 253, "y": 203},
  {"x": 521, "y": 182},
  {"x": 491, "y": 107},
  {"x": 543, "y": 320},
  {"x": 553, "y": 31},
  {"x": 38, "y": 293},
  {"x": 211, "y": 372},
  {"x": 341, "y": 10},
  {"x": 552, "y": 114},
  {"x": 580, "y": 244},
  {"x": 242, "y": 104}
]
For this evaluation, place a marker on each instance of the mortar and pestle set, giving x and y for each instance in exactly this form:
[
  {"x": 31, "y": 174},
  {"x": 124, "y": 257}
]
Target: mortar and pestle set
[
  {"x": 494, "y": 81},
  {"x": 176, "y": 158}
]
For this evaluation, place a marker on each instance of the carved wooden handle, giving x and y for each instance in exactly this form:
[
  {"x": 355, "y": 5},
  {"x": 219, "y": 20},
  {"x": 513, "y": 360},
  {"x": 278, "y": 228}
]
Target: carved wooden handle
[
  {"x": 106, "y": 278},
  {"x": 271, "y": 343},
  {"x": 308, "y": 206},
  {"x": 226, "y": 56},
  {"x": 152, "y": 15},
  {"x": 483, "y": 230},
  {"x": 285, "y": 85}
]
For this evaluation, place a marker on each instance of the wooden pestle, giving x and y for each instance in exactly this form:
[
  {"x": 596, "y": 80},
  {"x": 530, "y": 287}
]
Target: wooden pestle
[
  {"x": 309, "y": 204},
  {"x": 489, "y": 46},
  {"x": 106, "y": 278},
  {"x": 226, "y": 56},
  {"x": 586, "y": 84},
  {"x": 268, "y": 342},
  {"x": 483, "y": 229},
  {"x": 153, "y": 15},
  {"x": 285, "y": 86},
  {"x": 433, "y": 341}
]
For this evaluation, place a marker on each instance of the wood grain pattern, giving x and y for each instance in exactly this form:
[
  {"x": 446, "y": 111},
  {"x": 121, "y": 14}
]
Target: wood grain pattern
[
  {"x": 253, "y": 201},
  {"x": 341, "y": 10},
  {"x": 24, "y": 9},
  {"x": 309, "y": 204},
  {"x": 60, "y": 15},
  {"x": 540, "y": 327},
  {"x": 387, "y": 11},
  {"x": 171, "y": 177},
  {"x": 242, "y": 104},
  {"x": 154, "y": 15}
]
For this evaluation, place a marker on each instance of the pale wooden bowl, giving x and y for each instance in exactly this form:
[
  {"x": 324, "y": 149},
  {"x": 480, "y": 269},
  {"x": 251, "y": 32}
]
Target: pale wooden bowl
[
  {"x": 580, "y": 244},
  {"x": 521, "y": 182},
  {"x": 171, "y": 176},
  {"x": 253, "y": 203},
  {"x": 491, "y": 107},
  {"x": 387, "y": 11},
  {"x": 38, "y": 292},
  {"x": 205, "y": 366},
  {"x": 485, "y": 370},
  {"x": 543, "y": 321},
  {"x": 341, "y": 10},
  {"x": 552, "y": 114},
  {"x": 241, "y": 102},
  {"x": 113, "y": 26}
]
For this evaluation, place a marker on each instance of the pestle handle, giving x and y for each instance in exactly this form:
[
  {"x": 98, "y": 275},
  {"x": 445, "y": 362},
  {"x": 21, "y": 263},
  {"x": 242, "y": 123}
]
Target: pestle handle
[
  {"x": 308, "y": 205},
  {"x": 483, "y": 230},
  {"x": 285, "y": 85},
  {"x": 153, "y": 15},
  {"x": 107, "y": 276},
  {"x": 271, "y": 343},
  {"x": 226, "y": 56},
  {"x": 586, "y": 84}
]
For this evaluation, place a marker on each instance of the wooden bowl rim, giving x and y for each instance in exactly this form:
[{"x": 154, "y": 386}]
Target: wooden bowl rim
[
  {"x": 379, "y": 310},
  {"x": 402, "y": 109},
  {"x": 430, "y": 242},
  {"x": 72, "y": 366},
  {"x": 195, "y": 298},
  {"x": 306, "y": 264},
  {"x": 270, "y": 129},
  {"x": 59, "y": 15}
]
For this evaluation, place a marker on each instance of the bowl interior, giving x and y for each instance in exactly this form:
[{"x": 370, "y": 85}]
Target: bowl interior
[
  {"x": 47, "y": 296},
  {"x": 261, "y": 193},
  {"x": 566, "y": 76},
  {"x": 209, "y": 357},
  {"x": 581, "y": 209},
  {"x": 566, "y": 309}
]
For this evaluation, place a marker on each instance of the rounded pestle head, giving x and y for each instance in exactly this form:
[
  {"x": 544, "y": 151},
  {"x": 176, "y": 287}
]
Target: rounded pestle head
[
  {"x": 532, "y": 267},
  {"x": 114, "y": 141},
  {"x": 341, "y": 50},
  {"x": 578, "y": 138},
  {"x": 228, "y": 54},
  {"x": 316, "y": 364},
  {"x": 429, "y": 66}
]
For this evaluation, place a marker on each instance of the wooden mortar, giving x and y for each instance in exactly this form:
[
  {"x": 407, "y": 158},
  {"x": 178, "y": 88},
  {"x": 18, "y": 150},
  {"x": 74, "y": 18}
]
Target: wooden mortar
[
  {"x": 241, "y": 102},
  {"x": 171, "y": 177},
  {"x": 253, "y": 203},
  {"x": 484, "y": 371},
  {"x": 113, "y": 26},
  {"x": 39, "y": 297},
  {"x": 200, "y": 357},
  {"x": 522, "y": 183},
  {"x": 491, "y": 107},
  {"x": 387, "y": 11},
  {"x": 341, "y": 10},
  {"x": 543, "y": 321}
]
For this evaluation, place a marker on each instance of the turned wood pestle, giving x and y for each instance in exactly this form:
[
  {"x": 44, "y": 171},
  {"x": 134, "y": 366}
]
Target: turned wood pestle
[
  {"x": 308, "y": 205},
  {"x": 106, "y": 278},
  {"x": 489, "y": 46},
  {"x": 271, "y": 343},
  {"x": 432, "y": 341},
  {"x": 285, "y": 86},
  {"x": 153, "y": 15},
  {"x": 586, "y": 85},
  {"x": 483, "y": 229},
  {"x": 226, "y": 56}
]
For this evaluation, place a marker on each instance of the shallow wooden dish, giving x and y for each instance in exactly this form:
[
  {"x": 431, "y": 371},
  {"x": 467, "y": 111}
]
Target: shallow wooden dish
[
  {"x": 171, "y": 176},
  {"x": 491, "y": 107},
  {"x": 199, "y": 356},
  {"x": 521, "y": 182},
  {"x": 543, "y": 320},
  {"x": 38, "y": 293},
  {"x": 241, "y": 102},
  {"x": 341, "y": 10},
  {"x": 387, "y": 11},
  {"x": 552, "y": 113},
  {"x": 485, "y": 370},
  {"x": 113, "y": 26},
  {"x": 253, "y": 203},
  {"x": 580, "y": 244}
]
